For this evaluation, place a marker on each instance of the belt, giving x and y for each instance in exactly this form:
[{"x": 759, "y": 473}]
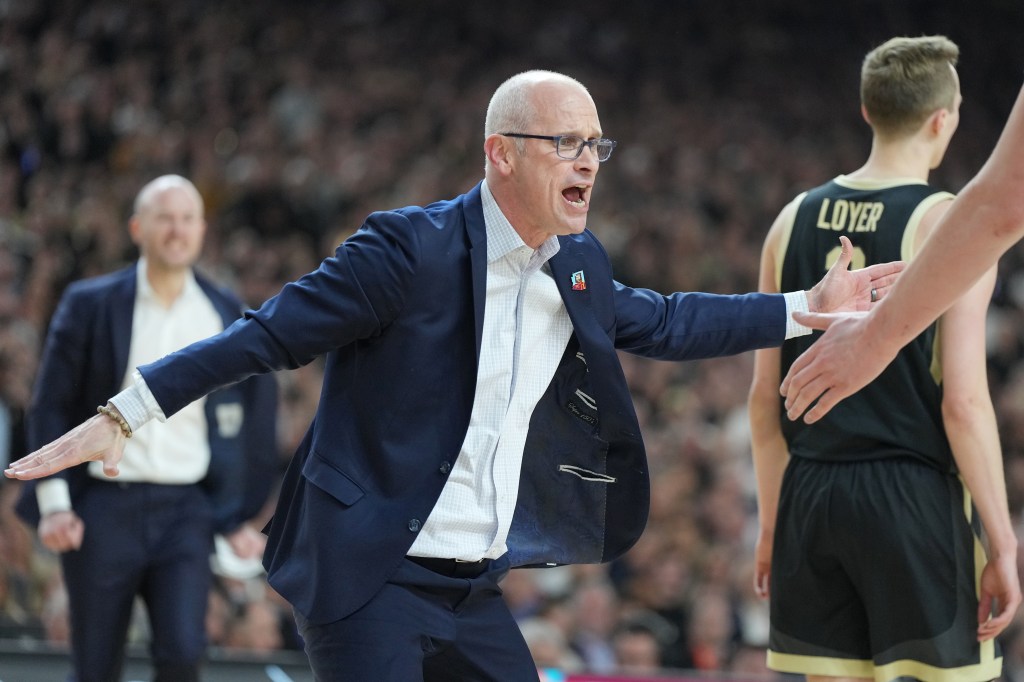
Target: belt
[{"x": 453, "y": 568}]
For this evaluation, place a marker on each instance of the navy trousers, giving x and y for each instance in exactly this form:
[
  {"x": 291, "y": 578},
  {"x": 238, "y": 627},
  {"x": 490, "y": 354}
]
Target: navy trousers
[
  {"x": 148, "y": 540},
  {"x": 424, "y": 627}
]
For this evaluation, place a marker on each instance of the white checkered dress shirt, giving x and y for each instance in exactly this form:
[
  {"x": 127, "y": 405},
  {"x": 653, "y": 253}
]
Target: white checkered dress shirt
[{"x": 526, "y": 330}]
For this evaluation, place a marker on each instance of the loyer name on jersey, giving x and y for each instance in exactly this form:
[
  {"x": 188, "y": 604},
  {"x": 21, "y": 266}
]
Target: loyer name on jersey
[{"x": 849, "y": 216}]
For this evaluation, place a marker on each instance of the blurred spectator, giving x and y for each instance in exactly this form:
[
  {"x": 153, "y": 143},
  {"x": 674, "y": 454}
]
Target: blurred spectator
[{"x": 637, "y": 649}]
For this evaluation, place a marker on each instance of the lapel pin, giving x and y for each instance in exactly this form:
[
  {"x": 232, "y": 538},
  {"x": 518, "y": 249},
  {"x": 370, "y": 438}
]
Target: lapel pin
[{"x": 579, "y": 282}]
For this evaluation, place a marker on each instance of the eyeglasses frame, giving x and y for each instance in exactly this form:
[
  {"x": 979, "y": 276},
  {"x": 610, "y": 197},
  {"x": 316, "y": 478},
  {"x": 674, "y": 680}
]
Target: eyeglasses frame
[{"x": 579, "y": 150}]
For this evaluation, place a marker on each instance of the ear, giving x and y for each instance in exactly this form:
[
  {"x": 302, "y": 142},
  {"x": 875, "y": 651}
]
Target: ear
[
  {"x": 501, "y": 153},
  {"x": 864, "y": 114},
  {"x": 937, "y": 121},
  {"x": 135, "y": 230}
]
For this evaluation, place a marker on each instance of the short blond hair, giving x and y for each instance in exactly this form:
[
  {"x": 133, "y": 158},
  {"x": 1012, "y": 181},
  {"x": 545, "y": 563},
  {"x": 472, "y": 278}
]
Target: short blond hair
[{"x": 904, "y": 80}]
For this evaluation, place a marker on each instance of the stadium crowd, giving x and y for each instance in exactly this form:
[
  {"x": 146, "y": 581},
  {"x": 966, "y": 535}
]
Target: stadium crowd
[{"x": 295, "y": 120}]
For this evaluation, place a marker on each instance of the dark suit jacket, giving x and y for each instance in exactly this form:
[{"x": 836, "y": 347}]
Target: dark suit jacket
[
  {"x": 84, "y": 363},
  {"x": 399, "y": 312}
]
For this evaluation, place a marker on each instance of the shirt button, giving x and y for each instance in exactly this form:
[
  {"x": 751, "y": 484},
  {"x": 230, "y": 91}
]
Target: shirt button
[
  {"x": 446, "y": 467},
  {"x": 414, "y": 525}
]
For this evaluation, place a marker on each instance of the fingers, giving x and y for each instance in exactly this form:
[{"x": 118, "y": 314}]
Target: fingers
[
  {"x": 846, "y": 254},
  {"x": 882, "y": 285},
  {"x": 995, "y": 624},
  {"x": 61, "y": 531},
  {"x": 38, "y": 464},
  {"x": 816, "y": 391},
  {"x": 795, "y": 377},
  {"x": 96, "y": 438},
  {"x": 804, "y": 384},
  {"x": 762, "y": 579},
  {"x": 110, "y": 467},
  {"x": 826, "y": 401},
  {"x": 886, "y": 273},
  {"x": 76, "y": 532},
  {"x": 815, "y": 320}
]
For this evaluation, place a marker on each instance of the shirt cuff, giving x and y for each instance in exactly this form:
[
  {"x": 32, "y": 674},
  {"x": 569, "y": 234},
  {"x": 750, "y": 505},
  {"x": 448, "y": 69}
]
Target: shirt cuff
[
  {"x": 52, "y": 496},
  {"x": 796, "y": 301},
  {"x": 137, "y": 404}
]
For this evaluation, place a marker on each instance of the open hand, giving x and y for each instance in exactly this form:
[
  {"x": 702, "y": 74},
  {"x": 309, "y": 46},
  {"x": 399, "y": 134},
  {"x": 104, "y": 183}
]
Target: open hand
[
  {"x": 844, "y": 360},
  {"x": 842, "y": 289},
  {"x": 98, "y": 438}
]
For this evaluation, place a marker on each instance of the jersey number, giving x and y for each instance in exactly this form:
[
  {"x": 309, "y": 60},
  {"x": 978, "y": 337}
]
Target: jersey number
[{"x": 857, "y": 262}]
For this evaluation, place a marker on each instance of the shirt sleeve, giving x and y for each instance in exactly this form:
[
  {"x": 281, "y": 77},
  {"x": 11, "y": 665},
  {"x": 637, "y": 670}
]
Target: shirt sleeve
[
  {"x": 52, "y": 496},
  {"x": 137, "y": 404},
  {"x": 796, "y": 301}
]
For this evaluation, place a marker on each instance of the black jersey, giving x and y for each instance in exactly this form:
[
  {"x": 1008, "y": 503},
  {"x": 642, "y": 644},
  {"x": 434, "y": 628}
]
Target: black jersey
[{"x": 899, "y": 414}]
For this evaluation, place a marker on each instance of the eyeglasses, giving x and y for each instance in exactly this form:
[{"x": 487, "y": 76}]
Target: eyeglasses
[{"x": 569, "y": 147}]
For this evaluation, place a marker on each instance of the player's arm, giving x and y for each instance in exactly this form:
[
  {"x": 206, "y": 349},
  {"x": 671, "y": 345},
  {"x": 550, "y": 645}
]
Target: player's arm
[
  {"x": 767, "y": 443},
  {"x": 970, "y": 422}
]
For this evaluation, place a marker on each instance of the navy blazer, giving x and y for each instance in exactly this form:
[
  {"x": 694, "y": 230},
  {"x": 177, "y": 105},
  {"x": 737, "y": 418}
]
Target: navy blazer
[
  {"x": 84, "y": 363},
  {"x": 398, "y": 311}
]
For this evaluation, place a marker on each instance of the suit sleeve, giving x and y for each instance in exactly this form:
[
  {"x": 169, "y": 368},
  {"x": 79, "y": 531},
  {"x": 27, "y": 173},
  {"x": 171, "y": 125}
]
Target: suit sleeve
[{"x": 691, "y": 326}]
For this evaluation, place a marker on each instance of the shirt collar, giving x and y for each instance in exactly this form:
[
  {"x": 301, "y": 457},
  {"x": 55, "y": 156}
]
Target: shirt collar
[
  {"x": 502, "y": 238},
  {"x": 145, "y": 290}
]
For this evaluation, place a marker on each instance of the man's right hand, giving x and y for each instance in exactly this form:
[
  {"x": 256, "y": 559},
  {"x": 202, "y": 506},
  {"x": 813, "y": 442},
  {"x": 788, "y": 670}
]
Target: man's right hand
[
  {"x": 61, "y": 531},
  {"x": 98, "y": 438}
]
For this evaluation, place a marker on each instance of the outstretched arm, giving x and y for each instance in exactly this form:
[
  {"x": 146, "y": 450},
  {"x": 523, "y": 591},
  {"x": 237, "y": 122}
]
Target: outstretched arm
[{"x": 984, "y": 221}]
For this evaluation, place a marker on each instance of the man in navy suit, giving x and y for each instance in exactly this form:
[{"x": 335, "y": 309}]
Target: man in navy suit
[
  {"x": 474, "y": 415},
  {"x": 204, "y": 471}
]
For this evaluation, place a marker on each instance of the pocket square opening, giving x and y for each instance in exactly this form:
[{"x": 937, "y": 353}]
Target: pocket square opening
[{"x": 586, "y": 474}]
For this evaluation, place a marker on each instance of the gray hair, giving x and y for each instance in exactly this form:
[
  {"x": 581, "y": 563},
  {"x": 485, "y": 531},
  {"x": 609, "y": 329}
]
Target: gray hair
[
  {"x": 162, "y": 184},
  {"x": 511, "y": 108}
]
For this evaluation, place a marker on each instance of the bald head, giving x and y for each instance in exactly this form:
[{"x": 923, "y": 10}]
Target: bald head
[
  {"x": 154, "y": 188},
  {"x": 513, "y": 106}
]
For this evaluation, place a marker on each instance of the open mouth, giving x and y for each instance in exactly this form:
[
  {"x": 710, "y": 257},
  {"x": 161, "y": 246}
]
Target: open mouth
[{"x": 576, "y": 195}]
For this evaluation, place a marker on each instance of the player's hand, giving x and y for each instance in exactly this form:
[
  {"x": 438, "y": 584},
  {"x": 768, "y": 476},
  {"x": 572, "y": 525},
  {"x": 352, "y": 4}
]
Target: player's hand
[
  {"x": 98, "y": 438},
  {"x": 1000, "y": 587},
  {"x": 844, "y": 360},
  {"x": 763, "y": 565}
]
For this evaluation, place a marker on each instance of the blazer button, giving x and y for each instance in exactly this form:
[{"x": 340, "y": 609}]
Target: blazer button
[
  {"x": 446, "y": 467},
  {"x": 414, "y": 525}
]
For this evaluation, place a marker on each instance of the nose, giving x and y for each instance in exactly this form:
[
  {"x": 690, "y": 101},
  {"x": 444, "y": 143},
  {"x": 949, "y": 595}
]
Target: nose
[{"x": 587, "y": 158}]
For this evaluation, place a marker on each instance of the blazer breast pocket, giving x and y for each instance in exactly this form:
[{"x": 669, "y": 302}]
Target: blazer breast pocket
[{"x": 331, "y": 480}]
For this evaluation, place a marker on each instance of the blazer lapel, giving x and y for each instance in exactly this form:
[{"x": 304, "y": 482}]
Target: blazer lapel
[
  {"x": 122, "y": 302},
  {"x": 476, "y": 231}
]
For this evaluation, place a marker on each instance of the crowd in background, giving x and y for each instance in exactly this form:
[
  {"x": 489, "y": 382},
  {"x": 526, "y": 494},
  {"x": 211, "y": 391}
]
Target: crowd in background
[{"x": 296, "y": 120}]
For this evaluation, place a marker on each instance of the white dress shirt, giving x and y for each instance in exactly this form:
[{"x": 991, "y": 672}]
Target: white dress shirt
[{"x": 526, "y": 329}]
